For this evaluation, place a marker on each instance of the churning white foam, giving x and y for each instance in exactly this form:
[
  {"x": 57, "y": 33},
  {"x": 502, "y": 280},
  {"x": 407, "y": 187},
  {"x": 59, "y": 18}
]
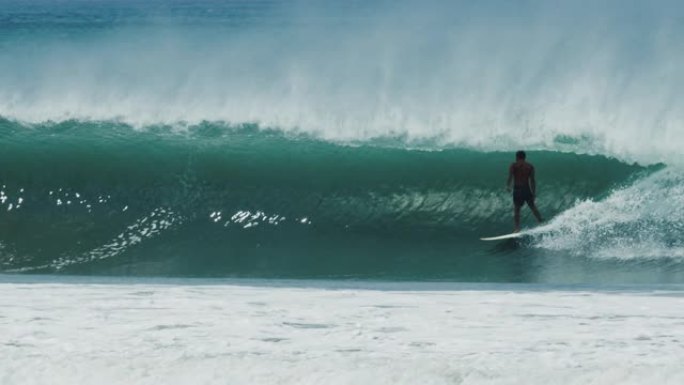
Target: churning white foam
[
  {"x": 142, "y": 333},
  {"x": 644, "y": 220},
  {"x": 595, "y": 78}
]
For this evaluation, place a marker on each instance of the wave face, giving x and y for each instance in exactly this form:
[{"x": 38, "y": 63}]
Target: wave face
[
  {"x": 104, "y": 198},
  {"x": 327, "y": 139}
]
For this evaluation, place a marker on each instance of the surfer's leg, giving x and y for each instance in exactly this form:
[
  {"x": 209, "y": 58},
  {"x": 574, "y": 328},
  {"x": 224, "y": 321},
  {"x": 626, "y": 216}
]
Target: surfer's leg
[
  {"x": 535, "y": 211},
  {"x": 518, "y": 202}
]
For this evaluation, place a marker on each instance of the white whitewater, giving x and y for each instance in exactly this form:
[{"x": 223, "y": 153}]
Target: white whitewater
[
  {"x": 642, "y": 221},
  {"x": 143, "y": 333}
]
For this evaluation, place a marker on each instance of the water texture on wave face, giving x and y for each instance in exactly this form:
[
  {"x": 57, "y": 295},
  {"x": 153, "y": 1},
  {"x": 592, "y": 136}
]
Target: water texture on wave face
[{"x": 341, "y": 140}]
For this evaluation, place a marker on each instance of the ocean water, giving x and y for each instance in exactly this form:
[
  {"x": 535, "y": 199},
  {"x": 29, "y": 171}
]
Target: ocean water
[
  {"x": 71, "y": 330},
  {"x": 283, "y": 191},
  {"x": 369, "y": 140}
]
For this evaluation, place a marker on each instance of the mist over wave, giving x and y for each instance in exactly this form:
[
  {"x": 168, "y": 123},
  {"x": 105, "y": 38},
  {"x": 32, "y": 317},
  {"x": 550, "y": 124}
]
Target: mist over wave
[{"x": 574, "y": 76}]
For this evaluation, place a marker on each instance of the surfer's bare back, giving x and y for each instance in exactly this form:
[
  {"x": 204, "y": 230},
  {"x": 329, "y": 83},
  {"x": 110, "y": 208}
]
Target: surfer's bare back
[{"x": 521, "y": 174}]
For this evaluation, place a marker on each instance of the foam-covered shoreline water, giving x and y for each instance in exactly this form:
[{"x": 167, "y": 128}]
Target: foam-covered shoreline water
[{"x": 149, "y": 333}]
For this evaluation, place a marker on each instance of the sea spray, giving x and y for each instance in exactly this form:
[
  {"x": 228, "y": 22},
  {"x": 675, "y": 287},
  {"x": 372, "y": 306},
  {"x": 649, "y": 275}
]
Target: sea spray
[{"x": 595, "y": 77}]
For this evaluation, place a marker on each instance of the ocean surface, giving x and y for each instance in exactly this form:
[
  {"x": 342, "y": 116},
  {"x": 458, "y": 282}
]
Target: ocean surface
[
  {"x": 353, "y": 140},
  {"x": 293, "y": 192},
  {"x": 219, "y": 201},
  {"x": 84, "y": 330}
]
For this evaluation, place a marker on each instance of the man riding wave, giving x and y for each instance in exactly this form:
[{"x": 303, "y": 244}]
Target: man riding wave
[{"x": 521, "y": 175}]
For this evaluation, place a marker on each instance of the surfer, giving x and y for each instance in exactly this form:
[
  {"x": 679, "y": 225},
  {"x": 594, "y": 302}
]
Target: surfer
[{"x": 521, "y": 174}]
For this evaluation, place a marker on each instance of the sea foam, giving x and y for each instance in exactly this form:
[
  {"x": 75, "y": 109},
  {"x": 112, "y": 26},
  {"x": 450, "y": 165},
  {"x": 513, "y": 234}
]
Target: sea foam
[{"x": 141, "y": 332}]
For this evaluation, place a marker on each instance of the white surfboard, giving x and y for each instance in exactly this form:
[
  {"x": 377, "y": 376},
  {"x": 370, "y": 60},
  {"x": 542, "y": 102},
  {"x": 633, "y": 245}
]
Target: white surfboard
[
  {"x": 527, "y": 232},
  {"x": 505, "y": 236}
]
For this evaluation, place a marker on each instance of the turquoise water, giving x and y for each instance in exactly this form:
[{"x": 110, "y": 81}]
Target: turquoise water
[
  {"x": 356, "y": 141},
  {"x": 220, "y": 201}
]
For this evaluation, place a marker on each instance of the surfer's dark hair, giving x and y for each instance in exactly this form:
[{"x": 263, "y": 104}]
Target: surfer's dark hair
[{"x": 520, "y": 155}]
